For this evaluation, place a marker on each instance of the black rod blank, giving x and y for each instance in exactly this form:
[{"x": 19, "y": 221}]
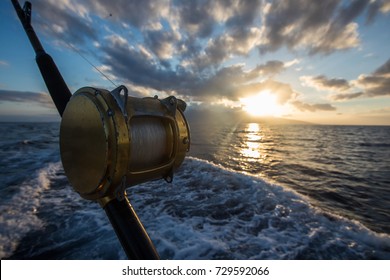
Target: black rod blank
[
  {"x": 130, "y": 231},
  {"x": 54, "y": 81}
]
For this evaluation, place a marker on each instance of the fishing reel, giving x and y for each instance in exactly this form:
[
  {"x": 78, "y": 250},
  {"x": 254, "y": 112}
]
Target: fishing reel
[{"x": 110, "y": 141}]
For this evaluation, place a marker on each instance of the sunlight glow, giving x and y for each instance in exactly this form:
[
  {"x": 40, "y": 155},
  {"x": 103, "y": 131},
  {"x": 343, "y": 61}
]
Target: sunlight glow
[{"x": 262, "y": 104}]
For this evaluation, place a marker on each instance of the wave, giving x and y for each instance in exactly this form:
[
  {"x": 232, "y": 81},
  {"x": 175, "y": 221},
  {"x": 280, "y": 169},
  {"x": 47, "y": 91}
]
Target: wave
[
  {"x": 19, "y": 214},
  {"x": 208, "y": 212},
  {"x": 375, "y": 145}
]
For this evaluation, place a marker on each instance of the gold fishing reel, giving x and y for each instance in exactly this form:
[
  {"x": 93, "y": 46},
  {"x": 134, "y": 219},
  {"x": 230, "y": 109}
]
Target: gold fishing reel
[{"x": 110, "y": 141}]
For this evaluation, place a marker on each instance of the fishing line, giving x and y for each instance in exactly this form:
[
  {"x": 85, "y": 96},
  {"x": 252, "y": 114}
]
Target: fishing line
[
  {"x": 90, "y": 63},
  {"x": 82, "y": 56}
]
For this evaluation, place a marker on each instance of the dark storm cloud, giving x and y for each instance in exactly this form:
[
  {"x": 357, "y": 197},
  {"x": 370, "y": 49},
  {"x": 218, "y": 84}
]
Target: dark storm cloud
[{"x": 27, "y": 97}]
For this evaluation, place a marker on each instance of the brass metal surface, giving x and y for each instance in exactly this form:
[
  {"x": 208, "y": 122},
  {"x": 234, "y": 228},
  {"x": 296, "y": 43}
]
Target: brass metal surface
[
  {"x": 94, "y": 143},
  {"x": 109, "y": 143},
  {"x": 84, "y": 144}
]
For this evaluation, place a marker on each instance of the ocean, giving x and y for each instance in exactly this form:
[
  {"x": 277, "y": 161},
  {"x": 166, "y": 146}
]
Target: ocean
[{"x": 247, "y": 190}]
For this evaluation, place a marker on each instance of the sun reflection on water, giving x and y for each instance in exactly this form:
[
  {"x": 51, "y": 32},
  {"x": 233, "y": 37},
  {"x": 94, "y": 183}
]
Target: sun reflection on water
[{"x": 252, "y": 144}]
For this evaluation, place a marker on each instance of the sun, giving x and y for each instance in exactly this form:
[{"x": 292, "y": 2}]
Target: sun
[{"x": 262, "y": 104}]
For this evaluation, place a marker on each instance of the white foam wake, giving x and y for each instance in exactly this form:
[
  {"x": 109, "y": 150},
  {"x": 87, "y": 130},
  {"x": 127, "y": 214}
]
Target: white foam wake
[
  {"x": 18, "y": 215},
  {"x": 210, "y": 212}
]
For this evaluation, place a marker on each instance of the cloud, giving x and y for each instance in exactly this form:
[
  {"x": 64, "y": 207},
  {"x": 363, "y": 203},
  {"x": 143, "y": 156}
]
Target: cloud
[
  {"x": 234, "y": 82},
  {"x": 271, "y": 68},
  {"x": 318, "y": 26},
  {"x": 371, "y": 85},
  {"x": 188, "y": 48},
  {"x": 198, "y": 18},
  {"x": 133, "y": 65},
  {"x": 227, "y": 83},
  {"x": 68, "y": 21},
  {"x": 321, "y": 82},
  {"x": 377, "y": 6},
  {"x": 346, "y": 96},
  {"x": 3, "y": 63},
  {"x": 384, "y": 6},
  {"x": 225, "y": 46},
  {"x": 136, "y": 67},
  {"x": 202, "y": 18},
  {"x": 383, "y": 69},
  {"x": 313, "y": 107},
  {"x": 162, "y": 43},
  {"x": 39, "y": 98},
  {"x": 146, "y": 13},
  {"x": 284, "y": 93},
  {"x": 179, "y": 31},
  {"x": 204, "y": 34},
  {"x": 212, "y": 30},
  {"x": 227, "y": 28},
  {"x": 377, "y": 83}
]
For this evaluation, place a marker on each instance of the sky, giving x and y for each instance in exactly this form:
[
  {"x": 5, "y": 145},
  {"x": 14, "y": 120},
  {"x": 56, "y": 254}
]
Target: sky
[{"x": 325, "y": 62}]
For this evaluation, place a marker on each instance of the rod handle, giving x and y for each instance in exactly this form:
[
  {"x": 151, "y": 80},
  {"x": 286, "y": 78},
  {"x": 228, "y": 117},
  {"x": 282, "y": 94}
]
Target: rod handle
[{"x": 130, "y": 231}]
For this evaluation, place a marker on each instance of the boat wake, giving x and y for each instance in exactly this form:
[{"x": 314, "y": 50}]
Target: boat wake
[{"x": 208, "y": 212}]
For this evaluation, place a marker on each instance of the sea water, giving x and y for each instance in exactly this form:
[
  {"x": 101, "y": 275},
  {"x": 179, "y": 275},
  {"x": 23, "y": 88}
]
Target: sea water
[{"x": 247, "y": 190}]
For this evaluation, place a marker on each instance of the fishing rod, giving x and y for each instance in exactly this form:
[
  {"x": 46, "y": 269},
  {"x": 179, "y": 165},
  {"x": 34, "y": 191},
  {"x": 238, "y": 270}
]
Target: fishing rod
[{"x": 110, "y": 141}]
